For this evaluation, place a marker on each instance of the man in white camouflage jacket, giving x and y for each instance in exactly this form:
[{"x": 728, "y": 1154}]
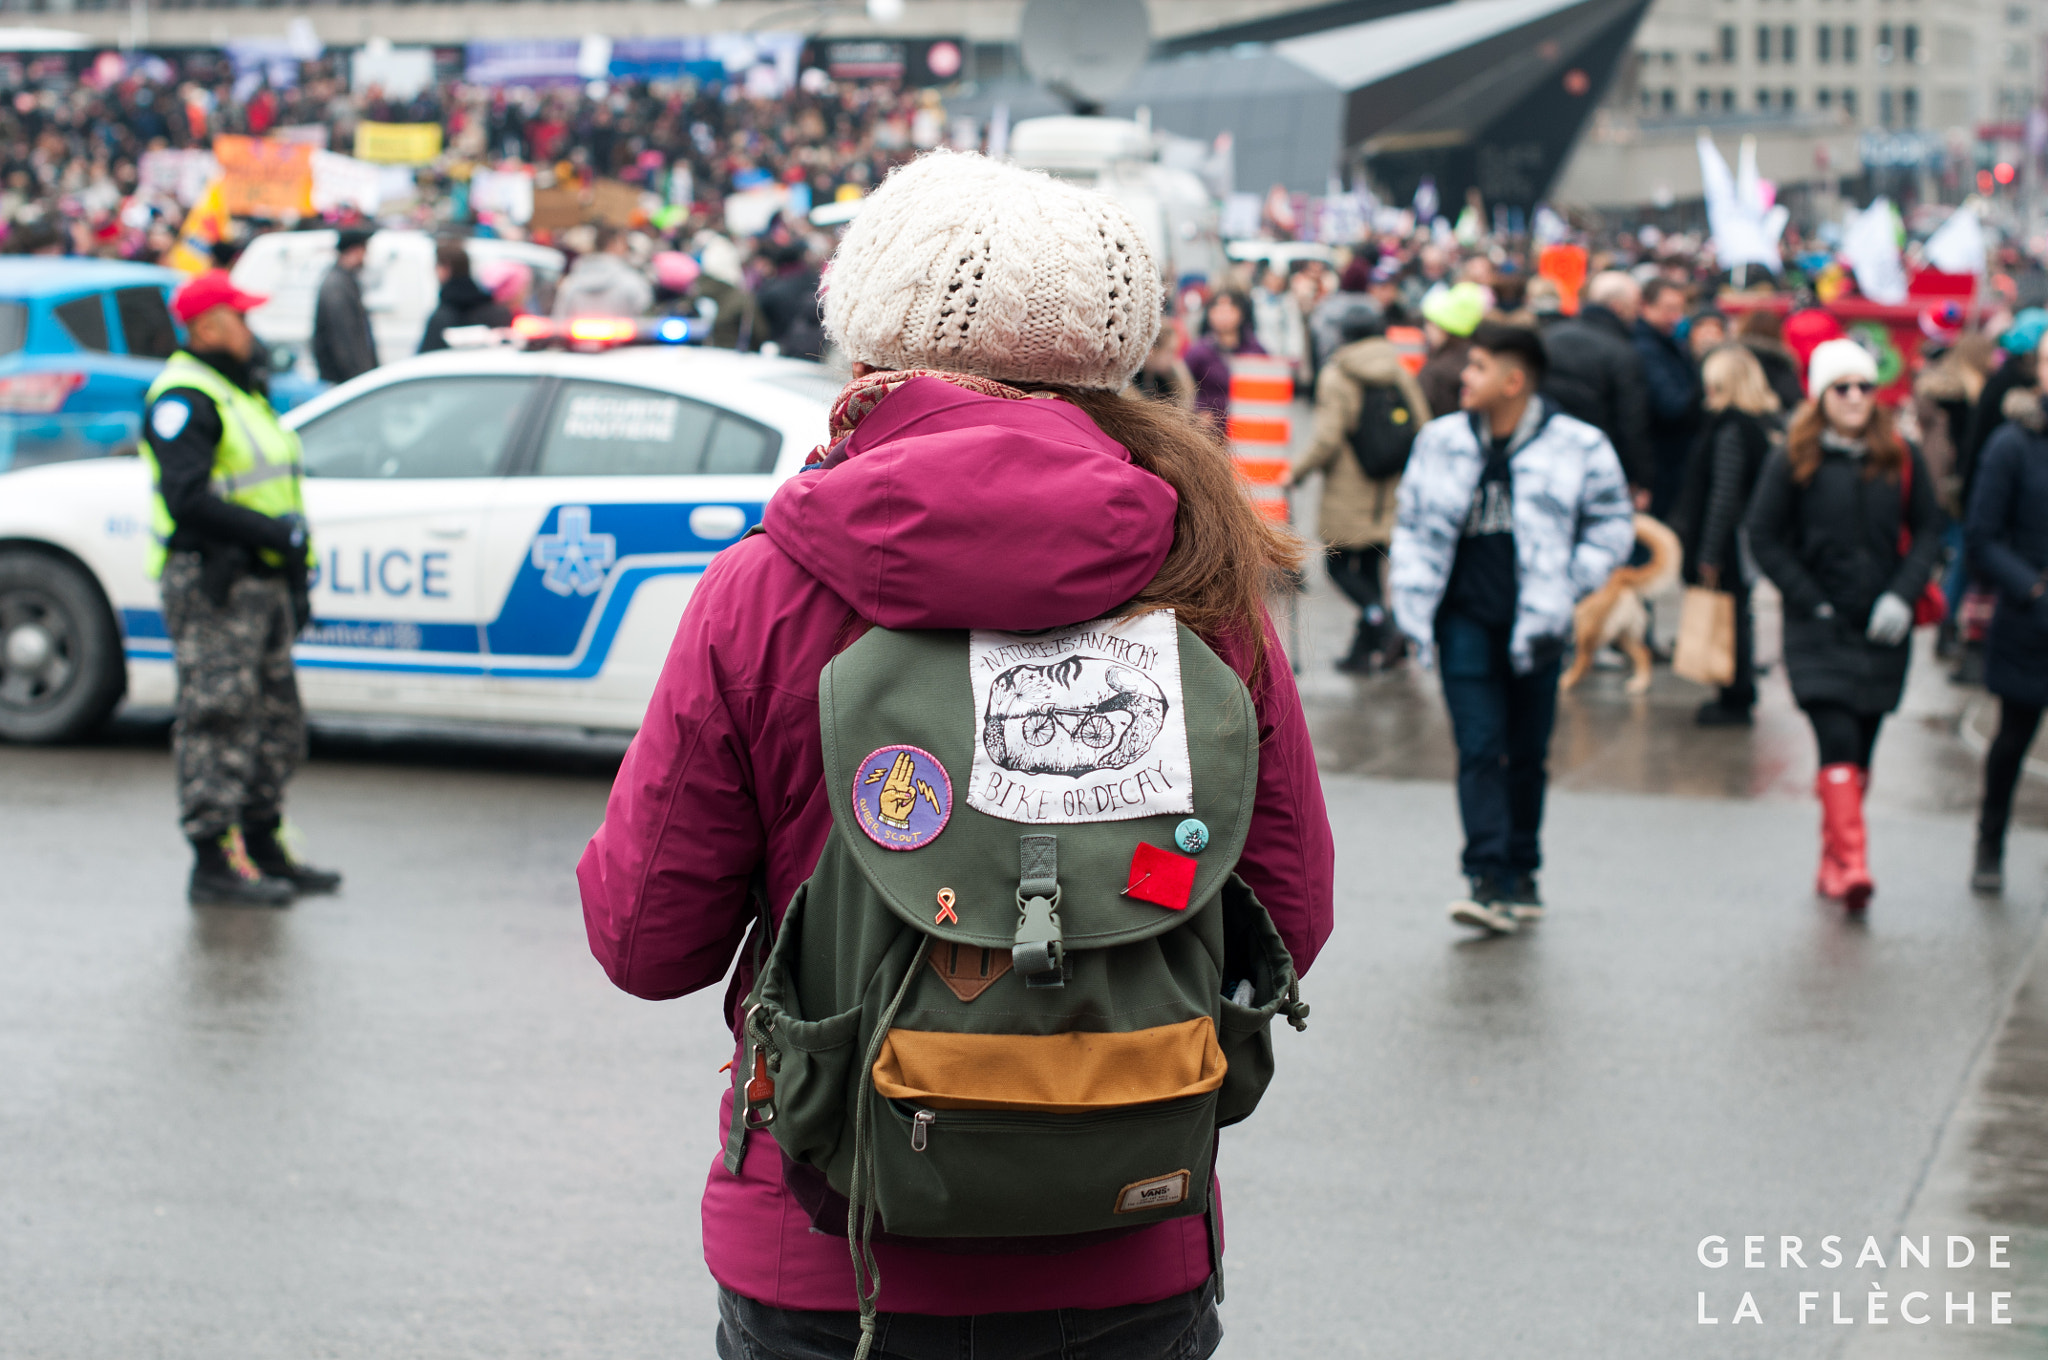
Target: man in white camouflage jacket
[{"x": 1510, "y": 512}]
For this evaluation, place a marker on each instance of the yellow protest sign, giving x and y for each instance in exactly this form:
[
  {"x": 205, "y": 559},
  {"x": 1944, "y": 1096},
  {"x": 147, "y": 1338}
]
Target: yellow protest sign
[
  {"x": 398, "y": 143},
  {"x": 204, "y": 227},
  {"x": 262, "y": 178}
]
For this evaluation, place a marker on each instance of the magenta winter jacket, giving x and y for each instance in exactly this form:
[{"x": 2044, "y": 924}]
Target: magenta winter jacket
[{"x": 952, "y": 510}]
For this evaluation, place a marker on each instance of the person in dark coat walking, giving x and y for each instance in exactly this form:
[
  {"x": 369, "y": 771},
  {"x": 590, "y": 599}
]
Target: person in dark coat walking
[
  {"x": 463, "y": 300},
  {"x": 2007, "y": 533},
  {"x": 1850, "y": 543},
  {"x": 1671, "y": 380},
  {"x": 1743, "y": 425},
  {"x": 344, "y": 346},
  {"x": 1596, "y": 377}
]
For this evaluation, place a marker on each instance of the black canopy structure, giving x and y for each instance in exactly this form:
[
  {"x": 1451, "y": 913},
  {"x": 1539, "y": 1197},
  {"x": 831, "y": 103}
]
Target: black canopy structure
[{"x": 1486, "y": 94}]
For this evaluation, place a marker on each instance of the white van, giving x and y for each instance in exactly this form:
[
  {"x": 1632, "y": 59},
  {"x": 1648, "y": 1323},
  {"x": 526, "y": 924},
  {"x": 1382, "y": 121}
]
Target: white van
[
  {"x": 399, "y": 286},
  {"x": 1120, "y": 158}
]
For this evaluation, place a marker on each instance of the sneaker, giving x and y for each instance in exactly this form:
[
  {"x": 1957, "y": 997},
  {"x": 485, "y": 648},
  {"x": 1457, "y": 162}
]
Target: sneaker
[
  {"x": 1714, "y": 713},
  {"x": 224, "y": 876},
  {"x": 1486, "y": 909},
  {"x": 1524, "y": 902}
]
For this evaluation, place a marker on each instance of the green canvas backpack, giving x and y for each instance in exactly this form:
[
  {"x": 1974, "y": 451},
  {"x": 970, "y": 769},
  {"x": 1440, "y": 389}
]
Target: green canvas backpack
[{"x": 1023, "y": 988}]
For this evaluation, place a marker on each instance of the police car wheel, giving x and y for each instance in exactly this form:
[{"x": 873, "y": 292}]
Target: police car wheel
[{"x": 61, "y": 670}]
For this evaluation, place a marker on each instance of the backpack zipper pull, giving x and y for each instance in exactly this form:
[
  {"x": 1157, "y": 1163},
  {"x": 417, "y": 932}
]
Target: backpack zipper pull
[{"x": 920, "y": 1129}]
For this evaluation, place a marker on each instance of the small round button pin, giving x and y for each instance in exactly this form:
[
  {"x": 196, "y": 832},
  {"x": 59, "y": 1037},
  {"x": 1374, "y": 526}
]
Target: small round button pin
[{"x": 1192, "y": 836}]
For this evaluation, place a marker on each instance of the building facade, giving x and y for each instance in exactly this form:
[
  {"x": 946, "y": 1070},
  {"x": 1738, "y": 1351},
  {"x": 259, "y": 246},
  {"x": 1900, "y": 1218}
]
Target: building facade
[{"x": 1943, "y": 66}]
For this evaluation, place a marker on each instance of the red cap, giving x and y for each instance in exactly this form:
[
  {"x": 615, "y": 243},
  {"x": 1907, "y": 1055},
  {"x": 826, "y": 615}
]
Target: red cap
[{"x": 207, "y": 291}]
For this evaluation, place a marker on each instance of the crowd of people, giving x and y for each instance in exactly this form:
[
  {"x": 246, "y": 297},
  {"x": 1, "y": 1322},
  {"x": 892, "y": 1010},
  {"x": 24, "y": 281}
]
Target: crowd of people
[
  {"x": 1750, "y": 424},
  {"x": 71, "y": 162}
]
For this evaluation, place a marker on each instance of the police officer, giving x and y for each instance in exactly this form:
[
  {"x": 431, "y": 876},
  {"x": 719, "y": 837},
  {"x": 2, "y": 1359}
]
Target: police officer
[{"x": 231, "y": 550}]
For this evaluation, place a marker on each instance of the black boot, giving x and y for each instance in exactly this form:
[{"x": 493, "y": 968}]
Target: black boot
[
  {"x": 1988, "y": 874},
  {"x": 268, "y": 853},
  {"x": 222, "y": 877}
]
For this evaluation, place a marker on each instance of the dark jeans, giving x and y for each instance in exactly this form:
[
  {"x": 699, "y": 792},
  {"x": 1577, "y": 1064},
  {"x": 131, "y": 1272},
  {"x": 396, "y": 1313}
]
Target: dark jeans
[
  {"x": 2017, "y": 723},
  {"x": 1846, "y": 737},
  {"x": 1502, "y": 724},
  {"x": 1184, "y": 1327},
  {"x": 1356, "y": 572}
]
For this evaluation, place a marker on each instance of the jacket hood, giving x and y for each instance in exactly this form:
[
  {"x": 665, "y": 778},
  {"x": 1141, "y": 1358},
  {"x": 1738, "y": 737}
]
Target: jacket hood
[
  {"x": 2023, "y": 407},
  {"x": 1371, "y": 361},
  {"x": 463, "y": 294},
  {"x": 951, "y": 509},
  {"x": 1606, "y": 318}
]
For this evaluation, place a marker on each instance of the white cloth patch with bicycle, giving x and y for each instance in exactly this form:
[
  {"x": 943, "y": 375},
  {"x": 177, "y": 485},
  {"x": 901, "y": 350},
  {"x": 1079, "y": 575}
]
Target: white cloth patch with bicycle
[{"x": 1081, "y": 724}]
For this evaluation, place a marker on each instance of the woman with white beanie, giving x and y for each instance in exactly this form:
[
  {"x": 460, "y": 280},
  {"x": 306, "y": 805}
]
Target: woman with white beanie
[
  {"x": 983, "y": 470},
  {"x": 1846, "y": 524}
]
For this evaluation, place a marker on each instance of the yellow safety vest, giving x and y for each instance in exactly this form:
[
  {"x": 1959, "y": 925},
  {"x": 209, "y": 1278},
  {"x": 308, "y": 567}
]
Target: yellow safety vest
[{"x": 256, "y": 466}]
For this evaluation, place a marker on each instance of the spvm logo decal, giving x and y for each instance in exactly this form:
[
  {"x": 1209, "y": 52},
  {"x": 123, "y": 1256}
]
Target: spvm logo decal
[{"x": 573, "y": 560}]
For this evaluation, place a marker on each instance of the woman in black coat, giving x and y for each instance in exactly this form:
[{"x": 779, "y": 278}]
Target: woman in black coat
[
  {"x": 2007, "y": 532},
  {"x": 1846, "y": 524}
]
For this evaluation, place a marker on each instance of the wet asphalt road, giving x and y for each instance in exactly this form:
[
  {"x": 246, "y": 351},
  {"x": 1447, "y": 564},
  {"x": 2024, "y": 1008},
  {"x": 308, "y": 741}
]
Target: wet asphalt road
[{"x": 415, "y": 1120}]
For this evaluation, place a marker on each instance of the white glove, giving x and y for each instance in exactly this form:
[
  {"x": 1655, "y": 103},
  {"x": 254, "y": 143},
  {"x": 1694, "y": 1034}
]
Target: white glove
[{"x": 1891, "y": 618}]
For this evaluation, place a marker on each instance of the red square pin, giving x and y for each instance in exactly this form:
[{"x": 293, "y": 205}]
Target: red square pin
[{"x": 1161, "y": 877}]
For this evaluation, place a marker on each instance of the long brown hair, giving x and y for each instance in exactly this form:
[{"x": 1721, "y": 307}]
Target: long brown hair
[
  {"x": 1226, "y": 557},
  {"x": 1803, "y": 451}
]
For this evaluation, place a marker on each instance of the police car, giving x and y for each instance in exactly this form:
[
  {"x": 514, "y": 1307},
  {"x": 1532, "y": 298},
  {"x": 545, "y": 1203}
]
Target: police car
[{"x": 505, "y": 536}]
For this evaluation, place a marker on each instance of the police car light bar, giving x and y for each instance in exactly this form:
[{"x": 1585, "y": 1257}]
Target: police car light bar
[{"x": 585, "y": 333}]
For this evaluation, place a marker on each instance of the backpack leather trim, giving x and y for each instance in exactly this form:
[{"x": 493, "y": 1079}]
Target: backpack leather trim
[{"x": 968, "y": 970}]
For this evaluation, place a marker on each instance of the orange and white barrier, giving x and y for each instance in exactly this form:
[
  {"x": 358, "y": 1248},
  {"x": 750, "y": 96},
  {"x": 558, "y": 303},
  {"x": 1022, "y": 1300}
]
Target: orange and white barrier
[{"x": 1262, "y": 428}]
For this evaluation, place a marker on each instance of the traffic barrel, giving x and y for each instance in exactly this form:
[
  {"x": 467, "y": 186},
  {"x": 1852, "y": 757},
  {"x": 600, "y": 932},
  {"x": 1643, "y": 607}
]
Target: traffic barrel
[
  {"x": 1262, "y": 429},
  {"x": 1410, "y": 343}
]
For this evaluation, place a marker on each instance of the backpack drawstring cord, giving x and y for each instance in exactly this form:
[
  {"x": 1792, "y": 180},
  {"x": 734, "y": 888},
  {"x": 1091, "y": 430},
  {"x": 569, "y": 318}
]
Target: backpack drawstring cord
[{"x": 860, "y": 1197}]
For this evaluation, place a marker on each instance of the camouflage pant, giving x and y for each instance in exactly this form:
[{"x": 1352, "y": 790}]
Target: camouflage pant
[{"x": 240, "y": 731}]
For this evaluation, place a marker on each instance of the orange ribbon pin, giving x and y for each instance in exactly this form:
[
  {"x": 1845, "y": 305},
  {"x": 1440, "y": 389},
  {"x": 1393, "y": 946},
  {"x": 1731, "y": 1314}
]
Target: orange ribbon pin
[{"x": 946, "y": 912}]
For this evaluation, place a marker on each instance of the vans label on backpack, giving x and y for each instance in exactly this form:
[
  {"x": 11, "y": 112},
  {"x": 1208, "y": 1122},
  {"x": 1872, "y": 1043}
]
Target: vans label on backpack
[
  {"x": 1156, "y": 1193},
  {"x": 1080, "y": 725}
]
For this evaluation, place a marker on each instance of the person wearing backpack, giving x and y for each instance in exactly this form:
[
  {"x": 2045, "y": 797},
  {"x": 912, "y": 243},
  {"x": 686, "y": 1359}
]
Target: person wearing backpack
[
  {"x": 850, "y": 688},
  {"x": 1369, "y": 409}
]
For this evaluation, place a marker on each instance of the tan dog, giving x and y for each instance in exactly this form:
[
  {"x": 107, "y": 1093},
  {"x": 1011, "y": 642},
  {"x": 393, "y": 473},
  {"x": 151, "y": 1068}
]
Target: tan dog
[{"x": 1614, "y": 614}]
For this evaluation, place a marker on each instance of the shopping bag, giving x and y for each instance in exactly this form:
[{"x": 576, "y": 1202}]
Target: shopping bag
[{"x": 1706, "y": 637}]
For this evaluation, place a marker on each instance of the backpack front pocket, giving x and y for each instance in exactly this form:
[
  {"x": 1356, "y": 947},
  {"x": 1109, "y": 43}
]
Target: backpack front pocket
[
  {"x": 1252, "y": 953},
  {"x": 960, "y": 1173}
]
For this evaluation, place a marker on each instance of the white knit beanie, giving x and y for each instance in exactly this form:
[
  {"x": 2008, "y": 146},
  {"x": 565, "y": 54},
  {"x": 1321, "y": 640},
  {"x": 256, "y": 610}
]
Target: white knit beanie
[
  {"x": 965, "y": 264},
  {"x": 1834, "y": 360}
]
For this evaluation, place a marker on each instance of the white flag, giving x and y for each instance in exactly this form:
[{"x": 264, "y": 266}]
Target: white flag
[
  {"x": 1957, "y": 247},
  {"x": 1743, "y": 233},
  {"x": 1870, "y": 243}
]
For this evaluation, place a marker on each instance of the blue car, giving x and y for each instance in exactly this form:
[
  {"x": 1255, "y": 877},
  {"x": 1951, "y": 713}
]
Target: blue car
[{"x": 80, "y": 343}]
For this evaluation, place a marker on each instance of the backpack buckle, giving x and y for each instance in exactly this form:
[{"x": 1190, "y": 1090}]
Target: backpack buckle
[
  {"x": 758, "y": 1097},
  {"x": 1038, "y": 953}
]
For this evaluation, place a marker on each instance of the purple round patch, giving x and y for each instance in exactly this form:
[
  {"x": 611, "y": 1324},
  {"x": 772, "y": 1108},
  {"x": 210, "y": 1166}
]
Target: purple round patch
[{"x": 902, "y": 797}]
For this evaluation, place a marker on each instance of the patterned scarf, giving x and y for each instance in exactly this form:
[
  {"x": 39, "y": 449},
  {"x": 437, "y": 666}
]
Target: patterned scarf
[{"x": 862, "y": 395}]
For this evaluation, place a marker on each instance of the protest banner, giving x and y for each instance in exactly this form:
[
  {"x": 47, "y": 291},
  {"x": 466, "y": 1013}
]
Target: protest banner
[
  {"x": 398, "y": 143},
  {"x": 261, "y": 178}
]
